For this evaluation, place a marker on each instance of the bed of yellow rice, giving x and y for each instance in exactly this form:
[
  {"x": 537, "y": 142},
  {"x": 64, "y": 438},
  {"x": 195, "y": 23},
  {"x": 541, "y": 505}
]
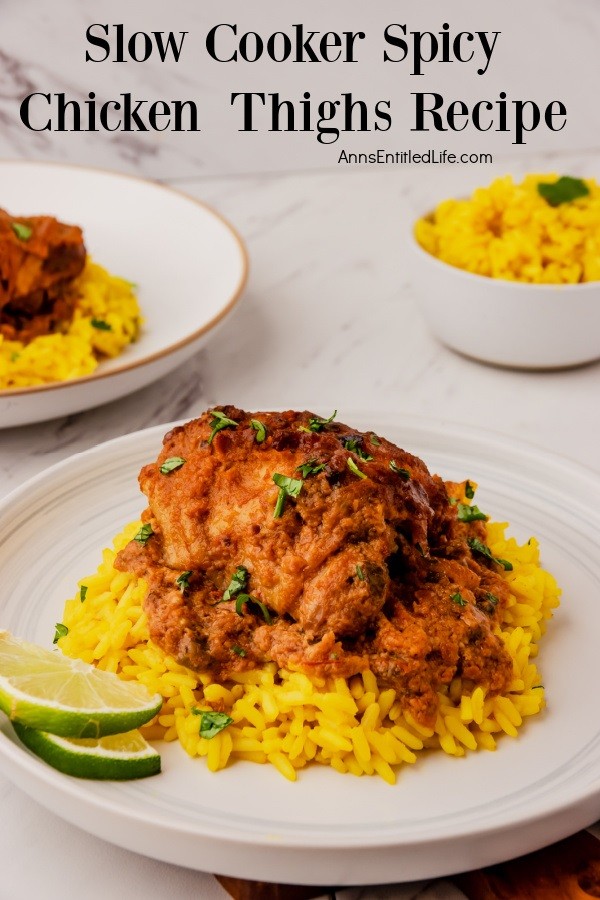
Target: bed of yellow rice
[
  {"x": 508, "y": 231},
  {"x": 290, "y": 720},
  {"x": 76, "y": 350}
]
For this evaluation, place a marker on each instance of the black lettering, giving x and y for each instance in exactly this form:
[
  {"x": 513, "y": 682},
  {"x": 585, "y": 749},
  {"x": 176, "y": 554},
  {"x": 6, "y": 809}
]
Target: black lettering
[
  {"x": 272, "y": 46},
  {"x": 330, "y": 40},
  {"x": 456, "y": 46},
  {"x": 549, "y": 115},
  {"x": 178, "y": 108},
  {"x": 327, "y": 111},
  {"x": 154, "y": 112},
  {"x": 456, "y": 109},
  {"x": 171, "y": 44},
  {"x": 419, "y": 58},
  {"x": 131, "y": 115},
  {"x": 97, "y": 41},
  {"x": 421, "y": 111},
  {"x": 520, "y": 126},
  {"x": 258, "y": 52},
  {"x": 303, "y": 45},
  {"x": 476, "y": 115},
  {"x": 385, "y": 116},
  {"x": 395, "y": 41},
  {"x": 24, "y": 113},
  {"x": 488, "y": 48},
  {"x": 351, "y": 38},
  {"x": 63, "y": 106},
  {"x": 211, "y": 43},
  {"x": 248, "y": 108},
  {"x": 132, "y": 46},
  {"x": 104, "y": 109}
]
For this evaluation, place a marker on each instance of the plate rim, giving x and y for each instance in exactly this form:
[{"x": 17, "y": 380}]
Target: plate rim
[
  {"x": 128, "y": 366},
  {"x": 546, "y": 809}
]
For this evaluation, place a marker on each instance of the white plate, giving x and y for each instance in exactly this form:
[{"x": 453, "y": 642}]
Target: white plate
[
  {"x": 189, "y": 264},
  {"x": 444, "y": 814}
]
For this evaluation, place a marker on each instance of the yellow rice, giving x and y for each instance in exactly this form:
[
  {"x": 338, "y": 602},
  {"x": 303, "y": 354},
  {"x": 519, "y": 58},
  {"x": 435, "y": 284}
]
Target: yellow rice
[
  {"x": 509, "y": 231},
  {"x": 77, "y": 349},
  {"x": 288, "y": 719}
]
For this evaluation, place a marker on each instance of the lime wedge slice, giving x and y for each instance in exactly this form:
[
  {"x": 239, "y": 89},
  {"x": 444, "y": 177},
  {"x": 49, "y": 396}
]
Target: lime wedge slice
[
  {"x": 116, "y": 757},
  {"x": 43, "y": 689}
]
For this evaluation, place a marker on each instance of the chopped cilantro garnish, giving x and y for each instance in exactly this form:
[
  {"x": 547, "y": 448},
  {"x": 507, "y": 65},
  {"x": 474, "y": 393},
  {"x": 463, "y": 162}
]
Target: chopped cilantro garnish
[
  {"x": 403, "y": 473},
  {"x": 354, "y": 468},
  {"x": 259, "y": 428},
  {"x": 354, "y": 447},
  {"x": 316, "y": 424},
  {"x": 491, "y": 598},
  {"x": 469, "y": 490},
  {"x": 100, "y": 325},
  {"x": 23, "y": 232},
  {"x": 239, "y": 651},
  {"x": 360, "y": 574},
  {"x": 82, "y": 592},
  {"x": 183, "y": 581},
  {"x": 288, "y": 487},
  {"x": 170, "y": 464},
  {"x": 563, "y": 190},
  {"x": 479, "y": 547},
  {"x": 211, "y": 723},
  {"x": 238, "y": 582},
  {"x": 468, "y": 513},
  {"x": 219, "y": 422},
  {"x": 375, "y": 440},
  {"x": 61, "y": 631},
  {"x": 243, "y": 599},
  {"x": 144, "y": 534},
  {"x": 458, "y": 599},
  {"x": 312, "y": 467}
]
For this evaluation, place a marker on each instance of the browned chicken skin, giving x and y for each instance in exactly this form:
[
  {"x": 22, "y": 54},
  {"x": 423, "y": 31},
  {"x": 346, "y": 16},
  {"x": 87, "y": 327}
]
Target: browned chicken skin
[
  {"x": 358, "y": 569},
  {"x": 39, "y": 258}
]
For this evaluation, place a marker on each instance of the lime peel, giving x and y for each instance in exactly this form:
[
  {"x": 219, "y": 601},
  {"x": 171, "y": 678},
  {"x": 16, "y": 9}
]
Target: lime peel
[
  {"x": 92, "y": 702},
  {"x": 115, "y": 758}
]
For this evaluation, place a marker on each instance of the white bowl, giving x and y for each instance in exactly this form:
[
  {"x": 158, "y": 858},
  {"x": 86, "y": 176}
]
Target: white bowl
[
  {"x": 189, "y": 264},
  {"x": 508, "y": 323}
]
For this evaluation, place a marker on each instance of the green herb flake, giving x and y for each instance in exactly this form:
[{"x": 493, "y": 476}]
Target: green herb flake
[
  {"x": 564, "y": 190},
  {"x": 144, "y": 534},
  {"x": 170, "y": 464},
  {"x": 100, "y": 325},
  {"x": 60, "y": 632},
  {"x": 83, "y": 592},
  {"x": 23, "y": 232},
  {"x": 478, "y": 547},
  {"x": 452, "y": 501},
  {"x": 353, "y": 446},
  {"x": 243, "y": 599},
  {"x": 239, "y": 651},
  {"x": 259, "y": 428},
  {"x": 360, "y": 574},
  {"x": 375, "y": 440},
  {"x": 211, "y": 723},
  {"x": 468, "y": 513},
  {"x": 219, "y": 422},
  {"x": 238, "y": 582},
  {"x": 288, "y": 487},
  {"x": 469, "y": 490},
  {"x": 491, "y": 598},
  {"x": 458, "y": 599},
  {"x": 354, "y": 468},
  {"x": 183, "y": 581},
  {"x": 312, "y": 467},
  {"x": 403, "y": 473},
  {"x": 316, "y": 424}
]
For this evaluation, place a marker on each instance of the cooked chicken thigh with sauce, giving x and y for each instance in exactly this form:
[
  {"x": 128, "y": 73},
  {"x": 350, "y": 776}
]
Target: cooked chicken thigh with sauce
[{"x": 286, "y": 537}]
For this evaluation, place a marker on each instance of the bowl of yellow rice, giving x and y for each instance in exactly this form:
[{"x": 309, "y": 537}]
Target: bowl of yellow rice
[{"x": 511, "y": 274}]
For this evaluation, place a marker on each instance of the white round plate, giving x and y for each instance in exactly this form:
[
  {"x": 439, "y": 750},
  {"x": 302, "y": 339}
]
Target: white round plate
[
  {"x": 189, "y": 264},
  {"x": 444, "y": 814}
]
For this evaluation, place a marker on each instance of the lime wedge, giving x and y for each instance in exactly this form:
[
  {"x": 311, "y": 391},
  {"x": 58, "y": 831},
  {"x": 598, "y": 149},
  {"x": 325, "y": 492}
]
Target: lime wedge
[
  {"x": 43, "y": 689},
  {"x": 116, "y": 757}
]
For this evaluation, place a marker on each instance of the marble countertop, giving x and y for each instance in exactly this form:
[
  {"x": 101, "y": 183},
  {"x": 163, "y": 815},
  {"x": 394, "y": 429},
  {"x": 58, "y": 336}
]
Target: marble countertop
[{"x": 329, "y": 318}]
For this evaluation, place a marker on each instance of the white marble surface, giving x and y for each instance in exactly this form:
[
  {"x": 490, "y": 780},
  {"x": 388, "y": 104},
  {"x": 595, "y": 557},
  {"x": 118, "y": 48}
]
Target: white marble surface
[{"x": 329, "y": 318}]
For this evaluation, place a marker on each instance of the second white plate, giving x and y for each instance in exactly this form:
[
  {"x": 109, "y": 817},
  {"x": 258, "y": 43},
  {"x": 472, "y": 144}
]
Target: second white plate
[{"x": 189, "y": 264}]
